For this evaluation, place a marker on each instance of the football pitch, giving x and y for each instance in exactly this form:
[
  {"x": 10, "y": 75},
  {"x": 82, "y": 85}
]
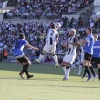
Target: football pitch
[{"x": 46, "y": 84}]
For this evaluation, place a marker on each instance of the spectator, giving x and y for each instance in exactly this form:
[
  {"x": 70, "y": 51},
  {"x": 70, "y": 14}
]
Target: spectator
[
  {"x": 46, "y": 9},
  {"x": 96, "y": 22},
  {"x": 91, "y": 22},
  {"x": 5, "y": 54}
]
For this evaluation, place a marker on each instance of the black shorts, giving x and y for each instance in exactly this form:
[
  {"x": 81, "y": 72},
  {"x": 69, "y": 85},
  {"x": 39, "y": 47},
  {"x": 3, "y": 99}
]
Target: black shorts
[
  {"x": 96, "y": 60},
  {"x": 87, "y": 56},
  {"x": 23, "y": 59}
]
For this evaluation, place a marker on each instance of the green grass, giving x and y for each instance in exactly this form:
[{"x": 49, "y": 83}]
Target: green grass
[{"x": 46, "y": 84}]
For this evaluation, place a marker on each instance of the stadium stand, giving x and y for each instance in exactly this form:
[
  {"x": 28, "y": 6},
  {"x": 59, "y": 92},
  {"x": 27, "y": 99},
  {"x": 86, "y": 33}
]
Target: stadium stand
[
  {"x": 29, "y": 9},
  {"x": 43, "y": 10}
]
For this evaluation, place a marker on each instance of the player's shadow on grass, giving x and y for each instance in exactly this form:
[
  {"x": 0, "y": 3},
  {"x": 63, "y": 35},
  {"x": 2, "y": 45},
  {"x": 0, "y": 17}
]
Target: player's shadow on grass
[{"x": 45, "y": 69}]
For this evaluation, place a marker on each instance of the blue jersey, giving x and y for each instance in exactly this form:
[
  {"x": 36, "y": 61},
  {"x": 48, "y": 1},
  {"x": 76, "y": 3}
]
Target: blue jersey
[
  {"x": 19, "y": 46},
  {"x": 96, "y": 49},
  {"x": 88, "y": 48}
]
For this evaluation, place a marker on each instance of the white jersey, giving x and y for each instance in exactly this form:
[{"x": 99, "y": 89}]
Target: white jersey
[
  {"x": 71, "y": 48},
  {"x": 71, "y": 54},
  {"x": 51, "y": 37}
]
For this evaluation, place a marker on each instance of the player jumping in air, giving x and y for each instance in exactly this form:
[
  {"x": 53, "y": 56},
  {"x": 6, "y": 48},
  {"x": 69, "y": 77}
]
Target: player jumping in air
[{"x": 51, "y": 40}]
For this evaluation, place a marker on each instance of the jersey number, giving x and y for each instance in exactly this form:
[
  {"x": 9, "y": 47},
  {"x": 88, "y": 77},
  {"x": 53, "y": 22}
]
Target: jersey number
[
  {"x": 51, "y": 34},
  {"x": 17, "y": 45},
  {"x": 51, "y": 41}
]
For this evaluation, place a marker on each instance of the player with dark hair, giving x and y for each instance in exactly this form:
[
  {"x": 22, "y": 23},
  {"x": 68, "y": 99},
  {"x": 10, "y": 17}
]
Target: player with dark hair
[
  {"x": 51, "y": 40},
  {"x": 20, "y": 56},
  {"x": 88, "y": 52}
]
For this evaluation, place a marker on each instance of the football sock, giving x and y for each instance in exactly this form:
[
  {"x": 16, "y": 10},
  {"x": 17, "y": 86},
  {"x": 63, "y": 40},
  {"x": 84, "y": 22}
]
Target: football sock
[
  {"x": 40, "y": 57},
  {"x": 80, "y": 68},
  {"x": 87, "y": 70},
  {"x": 26, "y": 69},
  {"x": 55, "y": 59},
  {"x": 64, "y": 68},
  {"x": 74, "y": 66},
  {"x": 92, "y": 70},
  {"x": 23, "y": 70},
  {"x": 99, "y": 73},
  {"x": 84, "y": 72},
  {"x": 67, "y": 72}
]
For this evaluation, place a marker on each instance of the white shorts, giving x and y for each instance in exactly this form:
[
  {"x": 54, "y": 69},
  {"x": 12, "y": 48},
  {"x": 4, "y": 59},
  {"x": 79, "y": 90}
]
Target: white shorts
[
  {"x": 77, "y": 63},
  {"x": 51, "y": 48},
  {"x": 69, "y": 58}
]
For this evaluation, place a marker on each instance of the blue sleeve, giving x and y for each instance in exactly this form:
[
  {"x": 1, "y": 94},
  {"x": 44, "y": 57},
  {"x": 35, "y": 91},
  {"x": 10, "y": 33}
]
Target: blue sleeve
[{"x": 87, "y": 39}]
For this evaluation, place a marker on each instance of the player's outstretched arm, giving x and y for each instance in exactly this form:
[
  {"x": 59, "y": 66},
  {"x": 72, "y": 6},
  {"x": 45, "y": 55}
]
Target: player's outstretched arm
[
  {"x": 74, "y": 43},
  {"x": 64, "y": 45},
  {"x": 82, "y": 42},
  {"x": 28, "y": 45}
]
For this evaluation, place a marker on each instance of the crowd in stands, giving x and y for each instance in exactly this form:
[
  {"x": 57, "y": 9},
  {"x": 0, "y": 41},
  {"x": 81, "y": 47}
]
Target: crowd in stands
[
  {"x": 10, "y": 3},
  {"x": 29, "y": 9},
  {"x": 33, "y": 30},
  {"x": 94, "y": 22},
  {"x": 52, "y": 9}
]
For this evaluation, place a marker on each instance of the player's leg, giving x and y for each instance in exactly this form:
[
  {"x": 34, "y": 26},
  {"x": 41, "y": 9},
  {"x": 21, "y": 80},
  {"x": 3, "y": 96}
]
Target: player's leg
[
  {"x": 26, "y": 62},
  {"x": 64, "y": 66},
  {"x": 92, "y": 69},
  {"x": 97, "y": 61},
  {"x": 66, "y": 70},
  {"x": 66, "y": 62},
  {"x": 53, "y": 50},
  {"x": 99, "y": 71},
  {"x": 80, "y": 68},
  {"x": 45, "y": 49},
  {"x": 81, "y": 65},
  {"x": 55, "y": 59},
  {"x": 41, "y": 56},
  {"x": 73, "y": 66},
  {"x": 69, "y": 61},
  {"x": 19, "y": 60},
  {"x": 85, "y": 64}
]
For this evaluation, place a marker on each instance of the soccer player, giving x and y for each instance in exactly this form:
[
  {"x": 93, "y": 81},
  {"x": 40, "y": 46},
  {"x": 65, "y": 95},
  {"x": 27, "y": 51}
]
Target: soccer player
[
  {"x": 20, "y": 56},
  {"x": 88, "y": 52},
  {"x": 96, "y": 53},
  {"x": 81, "y": 59},
  {"x": 51, "y": 40},
  {"x": 71, "y": 54}
]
